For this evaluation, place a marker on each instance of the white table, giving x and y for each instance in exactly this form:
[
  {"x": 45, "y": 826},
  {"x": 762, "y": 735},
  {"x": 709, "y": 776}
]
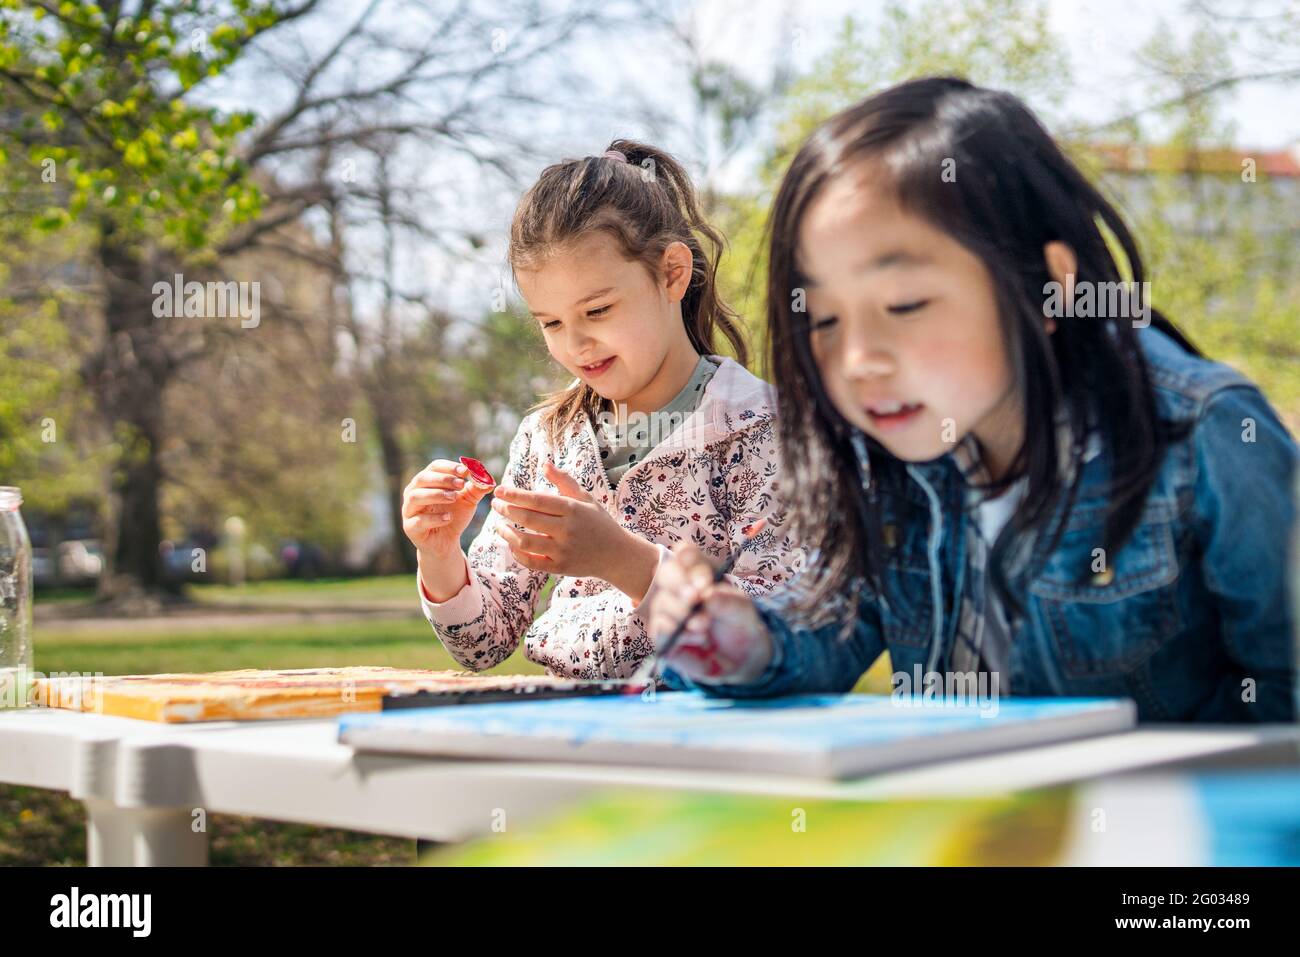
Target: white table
[{"x": 148, "y": 787}]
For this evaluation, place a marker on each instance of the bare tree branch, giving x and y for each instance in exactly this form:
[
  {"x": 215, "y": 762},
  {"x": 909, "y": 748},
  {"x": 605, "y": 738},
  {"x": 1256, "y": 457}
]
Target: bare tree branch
[{"x": 1217, "y": 85}]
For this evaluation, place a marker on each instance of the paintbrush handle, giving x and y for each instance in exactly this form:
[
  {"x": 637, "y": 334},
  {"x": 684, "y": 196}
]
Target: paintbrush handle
[
  {"x": 719, "y": 573},
  {"x": 671, "y": 641},
  {"x": 647, "y": 668},
  {"x": 723, "y": 570}
]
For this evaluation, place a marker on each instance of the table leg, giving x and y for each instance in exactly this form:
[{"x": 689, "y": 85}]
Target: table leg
[{"x": 142, "y": 837}]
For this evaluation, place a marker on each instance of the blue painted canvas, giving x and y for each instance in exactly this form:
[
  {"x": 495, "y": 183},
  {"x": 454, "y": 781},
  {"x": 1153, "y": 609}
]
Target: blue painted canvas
[
  {"x": 819, "y": 735},
  {"x": 1253, "y": 818}
]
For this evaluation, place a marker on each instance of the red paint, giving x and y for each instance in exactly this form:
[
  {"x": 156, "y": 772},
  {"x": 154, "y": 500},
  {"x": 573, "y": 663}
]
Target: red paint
[
  {"x": 477, "y": 471},
  {"x": 700, "y": 653}
]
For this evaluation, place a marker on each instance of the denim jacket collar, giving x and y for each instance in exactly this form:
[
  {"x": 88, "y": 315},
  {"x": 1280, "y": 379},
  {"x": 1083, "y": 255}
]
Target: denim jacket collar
[{"x": 946, "y": 481}]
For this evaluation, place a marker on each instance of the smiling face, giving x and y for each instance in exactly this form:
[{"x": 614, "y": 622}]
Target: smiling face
[
  {"x": 904, "y": 326},
  {"x": 611, "y": 323}
]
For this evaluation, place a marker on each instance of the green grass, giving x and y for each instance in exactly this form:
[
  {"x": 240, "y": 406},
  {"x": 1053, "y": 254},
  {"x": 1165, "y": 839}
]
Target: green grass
[
  {"x": 399, "y": 643},
  {"x": 323, "y": 591},
  {"x": 47, "y": 828},
  {"x": 62, "y": 596},
  {"x": 283, "y": 593},
  {"x": 39, "y": 827}
]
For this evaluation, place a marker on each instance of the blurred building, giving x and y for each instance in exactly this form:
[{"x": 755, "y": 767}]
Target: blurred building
[{"x": 1261, "y": 185}]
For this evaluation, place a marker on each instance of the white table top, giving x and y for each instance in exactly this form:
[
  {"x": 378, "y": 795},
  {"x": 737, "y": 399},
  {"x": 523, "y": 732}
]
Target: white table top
[{"x": 295, "y": 770}]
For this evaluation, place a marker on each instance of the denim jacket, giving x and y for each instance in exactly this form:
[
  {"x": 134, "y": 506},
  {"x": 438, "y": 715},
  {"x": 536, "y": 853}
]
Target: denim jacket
[{"x": 1192, "y": 619}]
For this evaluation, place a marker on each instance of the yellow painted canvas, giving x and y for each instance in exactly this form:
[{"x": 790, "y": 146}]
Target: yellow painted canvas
[{"x": 258, "y": 694}]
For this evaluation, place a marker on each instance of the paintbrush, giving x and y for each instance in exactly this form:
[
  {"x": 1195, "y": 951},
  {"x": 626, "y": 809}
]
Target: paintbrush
[{"x": 645, "y": 674}]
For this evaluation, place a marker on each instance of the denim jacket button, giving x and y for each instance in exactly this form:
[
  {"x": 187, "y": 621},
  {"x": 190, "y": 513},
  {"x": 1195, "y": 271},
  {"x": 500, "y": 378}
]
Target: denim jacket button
[
  {"x": 890, "y": 534},
  {"x": 1103, "y": 577}
]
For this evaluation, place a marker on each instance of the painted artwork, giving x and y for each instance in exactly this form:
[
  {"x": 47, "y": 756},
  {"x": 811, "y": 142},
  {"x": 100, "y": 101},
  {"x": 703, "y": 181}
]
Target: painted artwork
[
  {"x": 259, "y": 694},
  {"x": 828, "y": 736},
  {"x": 1241, "y": 819}
]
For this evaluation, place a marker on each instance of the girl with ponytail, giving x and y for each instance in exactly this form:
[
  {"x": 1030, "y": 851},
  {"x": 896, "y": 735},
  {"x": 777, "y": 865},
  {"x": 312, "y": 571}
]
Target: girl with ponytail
[{"x": 660, "y": 438}]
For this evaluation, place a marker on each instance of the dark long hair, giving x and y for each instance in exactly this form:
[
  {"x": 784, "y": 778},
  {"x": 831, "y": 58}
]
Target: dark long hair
[
  {"x": 646, "y": 203},
  {"x": 1014, "y": 191}
]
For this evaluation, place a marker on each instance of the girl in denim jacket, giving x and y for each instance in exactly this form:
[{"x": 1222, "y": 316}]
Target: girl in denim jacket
[{"x": 1004, "y": 463}]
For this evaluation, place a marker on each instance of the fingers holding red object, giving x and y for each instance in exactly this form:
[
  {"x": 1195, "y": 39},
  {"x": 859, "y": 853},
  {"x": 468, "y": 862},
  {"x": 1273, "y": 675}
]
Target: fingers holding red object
[
  {"x": 426, "y": 499},
  {"x": 444, "y": 498},
  {"x": 438, "y": 474},
  {"x": 418, "y": 527}
]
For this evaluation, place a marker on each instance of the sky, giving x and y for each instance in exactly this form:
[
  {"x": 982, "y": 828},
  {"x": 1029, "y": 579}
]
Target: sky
[
  {"x": 1101, "y": 35},
  {"x": 1102, "y": 38},
  {"x": 630, "y": 77}
]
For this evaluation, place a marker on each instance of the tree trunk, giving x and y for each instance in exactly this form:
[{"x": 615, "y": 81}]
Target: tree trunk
[
  {"x": 382, "y": 383},
  {"x": 128, "y": 375},
  {"x": 377, "y": 381},
  {"x": 395, "y": 477}
]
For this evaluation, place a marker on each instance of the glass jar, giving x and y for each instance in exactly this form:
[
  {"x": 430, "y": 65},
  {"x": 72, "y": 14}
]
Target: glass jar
[{"x": 15, "y": 601}]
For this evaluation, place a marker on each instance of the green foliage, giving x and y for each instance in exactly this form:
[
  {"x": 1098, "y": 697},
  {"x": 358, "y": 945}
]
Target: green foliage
[
  {"x": 1217, "y": 233},
  {"x": 117, "y": 161},
  {"x": 1000, "y": 43},
  {"x": 722, "y": 92},
  {"x": 43, "y": 444},
  {"x": 486, "y": 386},
  {"x": 1230, "y": 284},
  {"x": 38, "y": 403},
  {"x": 111, "y": 126},
  {"x": 743, "y": 220}
]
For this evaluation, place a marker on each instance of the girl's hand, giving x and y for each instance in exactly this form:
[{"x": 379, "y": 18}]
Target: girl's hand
[
  {"x": 437, "y": 506},
  {"x": 571, "y": 534},
  {"x": 725, "y": 642}
]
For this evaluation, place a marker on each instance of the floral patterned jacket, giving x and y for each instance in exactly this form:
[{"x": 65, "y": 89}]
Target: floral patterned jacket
[{"x": 707, "y": 480}]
